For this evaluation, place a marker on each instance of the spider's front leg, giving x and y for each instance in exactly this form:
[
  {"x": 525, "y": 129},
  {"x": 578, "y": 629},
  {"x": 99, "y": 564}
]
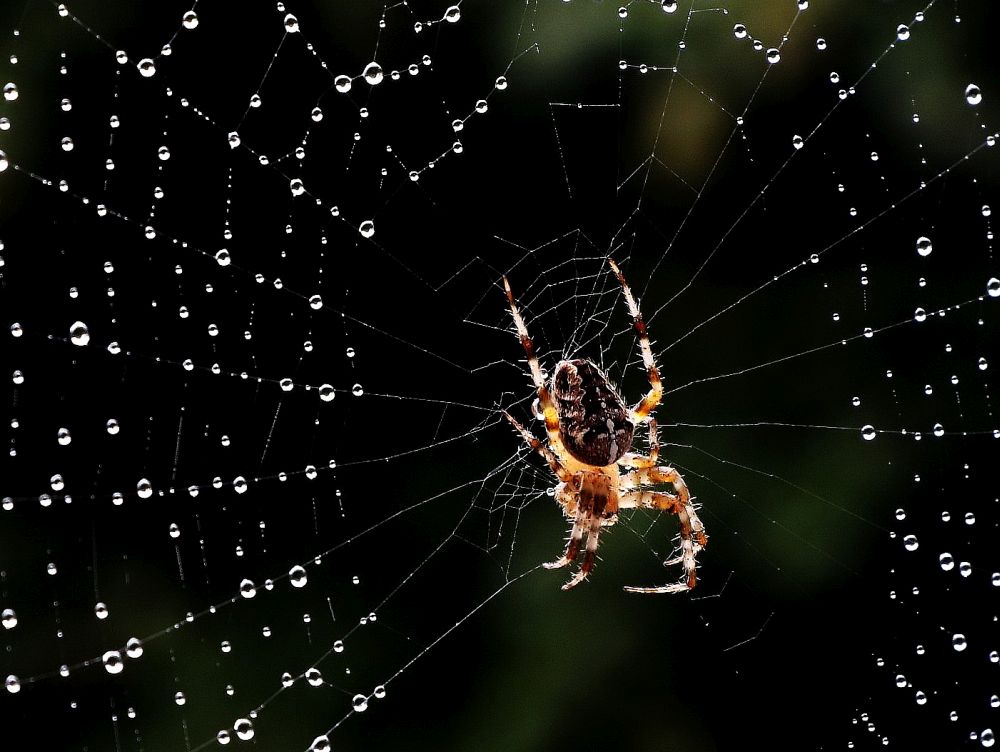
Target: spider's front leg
[
  {"x": 545, "y": 402},
  {"x": 642, "y": 411},
  {"x": 692, "y": 533}
]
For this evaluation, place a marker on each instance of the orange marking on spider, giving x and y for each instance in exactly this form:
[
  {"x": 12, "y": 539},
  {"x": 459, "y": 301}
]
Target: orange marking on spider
[{"x": 590, "y": 431}]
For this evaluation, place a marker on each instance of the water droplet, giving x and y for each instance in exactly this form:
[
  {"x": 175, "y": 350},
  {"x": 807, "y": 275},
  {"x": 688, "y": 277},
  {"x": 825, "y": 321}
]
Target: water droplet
[
  {"x": 4, "y": 164},
  {"x": 924, "y": 246},
  {"x": 320, "y": 744},
  {"x": 938, "y": 429},
  {"x": 10, "y": 92},
  {"x": 248, "y": 589},
  {"x": 297, "y": 576},
  {"x": 13, "y": 684},
  {"x": 297, "y": 187},
  {"x": 8, "y": 618},
  {"x": 773, "y": 55},
  {"x": 291, "y": 24},
  {"x": 947, "y": 561},
  {"x": 797, "y": 141},
  {"x": 739, "y": 31},
  {"x": 359, "y": 703},
  {"x": 243, "y": 729},
  {"x": 314, "y": 677},
  {"x": 993, "y": 287},
  {"x": 79, "y": 334},
  {"x": 372, "y": 73},
  {"x": 920, "y": 315},
  {"x": 910, "y": 543},
  {"x": 973, "y": 95},
  {"x": 147, "y": 67},
  {"x": 113, "y": 662},
  {"x": 668, "y": 6},
  {"x": 453, "y": 14},
  {"x": 367, "y": 228},
  {"x": 190, "y": 20},
  {"x": 133, "y": 648},
  {"x": 342, "y": 83},
  {"x": 959, "y": 642},
  {"x": 868, "y": 432},
  {"x": 501, "y": 83},
  {"x": 902, "y": 32}
]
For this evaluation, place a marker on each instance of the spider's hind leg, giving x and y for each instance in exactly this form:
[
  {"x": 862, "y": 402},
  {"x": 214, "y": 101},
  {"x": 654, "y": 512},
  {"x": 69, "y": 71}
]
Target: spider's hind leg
[{"x": 692, "y": 532}]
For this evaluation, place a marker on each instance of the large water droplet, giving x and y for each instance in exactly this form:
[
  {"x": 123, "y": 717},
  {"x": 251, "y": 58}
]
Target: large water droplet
[
  {"x": 297, "y": 576},
  {"x": 372, "y": 73},
  {"x": 79, "y": 334},
  {"x": 973, "y": 95},
  {"x": 243, "y": 729},
  {"x": 924, "y": 246},
  {"x": 113, "y": 662}
]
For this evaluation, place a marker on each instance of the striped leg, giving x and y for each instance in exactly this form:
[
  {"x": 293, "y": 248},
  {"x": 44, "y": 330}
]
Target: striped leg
[
  {"x": 692, "y": 532},
  {"x": 545, "y": 402},
  {"x": 640, "y": 413},
  {"x": 562, "y": 473},
  {"x": 573, "y": 546},
  {"x": 633, "y": 459},
  {"x": 596, "y": 515}
]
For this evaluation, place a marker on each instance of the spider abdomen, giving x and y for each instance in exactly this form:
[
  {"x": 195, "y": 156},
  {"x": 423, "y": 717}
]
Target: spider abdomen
[{"x": 593, "y": 421}]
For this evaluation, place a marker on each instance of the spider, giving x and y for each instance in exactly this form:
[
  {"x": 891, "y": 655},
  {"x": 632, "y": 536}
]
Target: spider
[{"x": 590, "y": 431}]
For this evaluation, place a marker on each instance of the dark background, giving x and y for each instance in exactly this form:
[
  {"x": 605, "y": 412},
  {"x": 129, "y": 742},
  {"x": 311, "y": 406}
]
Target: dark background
[{"x": 808, "y": 607}]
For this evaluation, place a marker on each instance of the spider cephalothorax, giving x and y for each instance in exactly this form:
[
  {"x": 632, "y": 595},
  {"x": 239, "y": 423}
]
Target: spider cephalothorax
[
  {"x": 593, "y": 420},
  {"x": 590, "y": 431}
]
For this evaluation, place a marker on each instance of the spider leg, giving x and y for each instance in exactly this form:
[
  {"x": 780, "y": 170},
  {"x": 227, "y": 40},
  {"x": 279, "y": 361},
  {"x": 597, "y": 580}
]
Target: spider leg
[
  {"x": 634, "y": 459},
  {"x": 545, "y": 402},
  {"x": 640, "y": 413},
  {"x": 562, "y": 473},
  {"x": 573, "y": 545},
  {"x": 591, "y": 552},
  {"x": 692, "y": 532}
]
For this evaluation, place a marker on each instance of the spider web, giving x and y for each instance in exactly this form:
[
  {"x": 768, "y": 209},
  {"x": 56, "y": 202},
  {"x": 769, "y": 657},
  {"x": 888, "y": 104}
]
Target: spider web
[{"x": 259, "y": 487}]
